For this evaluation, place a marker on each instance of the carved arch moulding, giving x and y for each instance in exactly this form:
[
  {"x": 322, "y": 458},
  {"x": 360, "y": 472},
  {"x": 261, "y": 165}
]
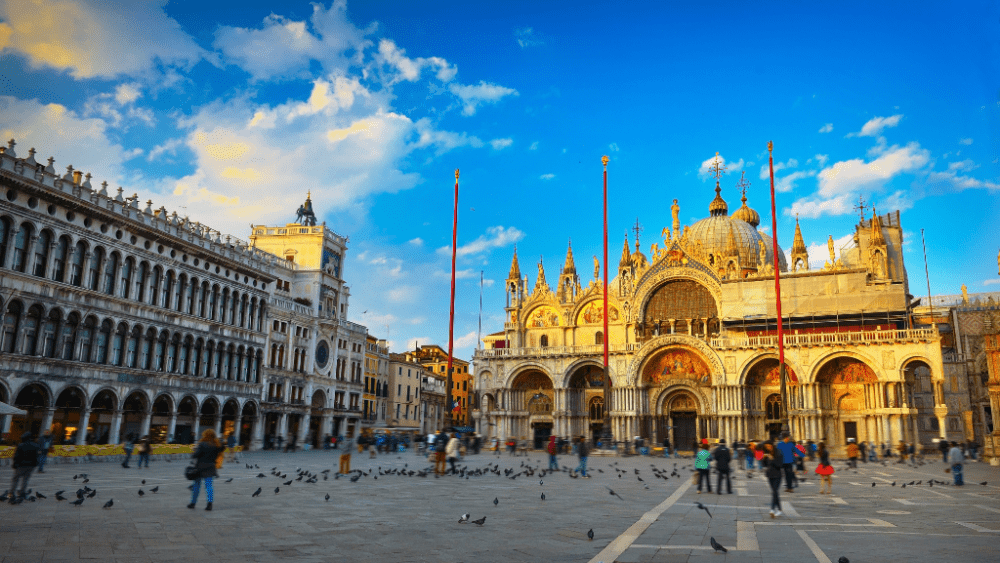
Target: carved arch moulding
[
  {"x": 652, "y": 346},
  {"x": 649, "y": 287}
]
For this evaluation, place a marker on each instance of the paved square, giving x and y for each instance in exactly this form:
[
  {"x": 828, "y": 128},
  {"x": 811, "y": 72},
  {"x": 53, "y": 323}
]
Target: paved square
[{"x": 396, "y": 518}]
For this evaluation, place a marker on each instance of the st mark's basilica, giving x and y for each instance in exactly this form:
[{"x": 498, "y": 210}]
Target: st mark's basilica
[{"x": 693, "y": 342}]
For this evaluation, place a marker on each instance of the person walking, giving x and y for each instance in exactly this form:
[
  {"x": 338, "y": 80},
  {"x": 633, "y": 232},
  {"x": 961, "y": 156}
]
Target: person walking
[
  {"x": 824, "y": 470},
  {"x": 451, "y": 452},
  {"x": 142, "y": 447},
  {"x": 583, "y": 450},
  {"x": 751, "y": 453},
  {"x": 44, "y": 443},
  {"x": 773, "y": 464},
  {"x": 128, "y": 447},
  {"x": 552, "y": 449},
  {"x": 666, "y": 447},
  {"x": 345, "y": 458},
  {"x": 440, "y": 444},
  {"x": 24, "y": 462},
  {"x": 944, "y": 446},
  {"x": 722, "y": 457},
  {"x": 956, "y": 458},
  {"x": 701, "y": 461},
  {"x": 852, "y": 454},
  {"x": 207, "y": 459},
  {"x": 788, "y": 454},
  {"x": 231, "y": 447},
  {"x": 862, "y": 451}
]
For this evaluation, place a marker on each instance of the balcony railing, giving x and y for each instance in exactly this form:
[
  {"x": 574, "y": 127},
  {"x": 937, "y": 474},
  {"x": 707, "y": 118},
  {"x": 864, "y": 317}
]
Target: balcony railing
[
  {"x": 555, "y": 350},
  {"x": 827, "y": 338}
]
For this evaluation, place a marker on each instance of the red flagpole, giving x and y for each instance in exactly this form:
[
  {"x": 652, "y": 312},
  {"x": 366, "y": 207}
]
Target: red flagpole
[
  {"x": 451, "y": 314},
  {"x": 777, "y": 295},
  {"x": 606, "y": 435}
]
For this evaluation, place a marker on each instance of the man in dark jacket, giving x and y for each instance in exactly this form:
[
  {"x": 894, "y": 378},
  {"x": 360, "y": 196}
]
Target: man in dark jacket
[
  {"x": 24, "y": 462},
  {"x": 583, "y": 450},
  {"x": 943, "y": 446},
  {"x": 722, "y": 458}
]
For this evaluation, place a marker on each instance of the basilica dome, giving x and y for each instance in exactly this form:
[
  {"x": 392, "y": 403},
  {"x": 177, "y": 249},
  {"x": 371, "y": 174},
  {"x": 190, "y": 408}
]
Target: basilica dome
[{"x": 713, "y": 233}]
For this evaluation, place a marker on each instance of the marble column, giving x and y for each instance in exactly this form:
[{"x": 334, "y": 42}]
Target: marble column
[
  {"x": 144, "y": 427},
  {"x": 237, "y": 429},
  {"x": 283, "y": 425},
  {"x": 218, "y": 425},
  {"x": 47, "y": 421},
  {"x": 257, "y": 431},
  {"x": 116, "y": 422},
  {"x": 81, "y": 431},
  {"x": 171, "y": 427},
  {"x": 304, "y": 428}
]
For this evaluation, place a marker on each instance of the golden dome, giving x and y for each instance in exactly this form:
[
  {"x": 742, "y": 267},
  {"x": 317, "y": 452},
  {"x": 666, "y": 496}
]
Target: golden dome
[
  {"x": 747, "y": 214},
  {"x": 713, "y": 233}
]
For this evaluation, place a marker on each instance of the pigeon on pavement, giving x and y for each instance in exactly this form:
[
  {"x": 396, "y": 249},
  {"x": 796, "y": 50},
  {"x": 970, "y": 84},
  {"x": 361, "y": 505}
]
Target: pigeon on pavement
[
  {"x": 717, "y": 546},
  {"x": 480, "y": 522},
  {"x": 464, "y": 518},
  {"x": 157, "y": 488},
  {"x": 843, "y": 560},
  {"x": 543, "y": 496},
  {"x": 77, "y": 502},
  {"x": 110, "y": 503},
  {"x": 496, "y": 501},
  {"x": 590, "y": 534},
  {"x": 328, "y": 497},
  {"x": 612, "y": 492},
  {"x": 257, "y": 492},
  {"x": 703, "y": 507}
]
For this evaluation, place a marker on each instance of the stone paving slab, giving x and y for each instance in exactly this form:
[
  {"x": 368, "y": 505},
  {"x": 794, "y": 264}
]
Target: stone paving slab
[{"x": 394, "y": 518}]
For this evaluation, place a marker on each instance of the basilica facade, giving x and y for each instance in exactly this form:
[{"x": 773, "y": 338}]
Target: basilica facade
[{"x": 693, "y": 342}]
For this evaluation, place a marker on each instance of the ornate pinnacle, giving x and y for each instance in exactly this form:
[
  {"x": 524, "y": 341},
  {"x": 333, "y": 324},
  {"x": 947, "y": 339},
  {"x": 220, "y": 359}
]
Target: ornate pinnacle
[
  {"x": 456, "y": 173},
  {"x": 604, "y": 160}
]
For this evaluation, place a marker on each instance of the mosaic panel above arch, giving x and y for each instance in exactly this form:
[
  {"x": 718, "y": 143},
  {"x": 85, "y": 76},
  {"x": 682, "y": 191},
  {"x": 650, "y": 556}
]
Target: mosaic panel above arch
[
  {"x": 676, "y": 363},
  {"x": 593, "y": 313},
  {"x": 532, "y": 380},
  {"x": 845, "y": 371},
  {"x": 768, "y": 373},
  {"x": 541, "y": 317},
  {"x": 680, "y": 299}
]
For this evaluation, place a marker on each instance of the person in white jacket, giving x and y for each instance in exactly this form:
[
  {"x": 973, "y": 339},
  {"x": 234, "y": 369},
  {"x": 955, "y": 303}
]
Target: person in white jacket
[
  {"x": 955, "y": 458},
  {"x": 451, "y": 451}
]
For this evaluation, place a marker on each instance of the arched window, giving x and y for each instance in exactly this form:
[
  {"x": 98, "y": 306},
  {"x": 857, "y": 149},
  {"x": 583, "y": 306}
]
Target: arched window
[
  {"x": 94, "y": 272},
  {"x": 233, "y": 307},
  {"x": 185, "y": 353},
  {"x": 145, "y": 357},
  {"x": 86, "y": 336},
  {"x": 189, "y": 293},
  {"x": 772, "y": 407},
  {"x": 196, "y": 359},
  {"x": 212, "y": 298},
  {"x": 256, "y": 366},
  {"x": 226, "y": 359},
  {"x": 103, "y": 340},
  {"x": 206, "y": 359},
  {"x": 596, "y": 408},
  {"x": 599, "y": 338},
  {"x": 31, "y": 322},
  {"x": 42, "y": 253},
  {"x": 118, "y": 345},
  {"x": 172, "y": 351},
  {"x": 160, "y": 350},
  {"x": 177, "y": 297},
  {"x": 252, "y": 315},
  {"x": 132, "y": 349},
  {"x": 202, "y": 298},
  {"x": 76, "y": 264},
  {"x": 243, "y": 311},
  {"x": 5, "y": 228},
  {"x": 21, "y": 241},
  {"x": 166, "y": 289},
  {"x": 49, "y": 334},
  {"x": 68, "y": 336},
  {"x": 140, "y": 282},
  {"x": 11, "y": 326},
  {"x": 110, "y": 270},
  {"x": 223, "y": 305},
  {"x": 125, "y": 287},
  {"x": 154, "y": 285},
  {"x": 59, "y": 260},
  {"x": 543, "y": 341},
  {"x": 217, "y": 360}
]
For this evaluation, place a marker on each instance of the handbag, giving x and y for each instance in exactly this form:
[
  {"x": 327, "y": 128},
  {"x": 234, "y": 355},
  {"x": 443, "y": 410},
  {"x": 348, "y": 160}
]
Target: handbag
[{"x": 191, "y": 472}]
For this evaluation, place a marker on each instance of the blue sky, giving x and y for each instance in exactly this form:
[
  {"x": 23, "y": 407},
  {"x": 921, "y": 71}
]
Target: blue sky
[{"x": 230, "y": 111}]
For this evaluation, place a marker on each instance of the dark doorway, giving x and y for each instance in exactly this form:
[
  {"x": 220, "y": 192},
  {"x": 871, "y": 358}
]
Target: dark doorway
[
  {"x": 851, "y": 431},
  {"x": 542, "y": 432},
  {"x": 773, "y": 430},
  {"x": 685, "y": 430}
]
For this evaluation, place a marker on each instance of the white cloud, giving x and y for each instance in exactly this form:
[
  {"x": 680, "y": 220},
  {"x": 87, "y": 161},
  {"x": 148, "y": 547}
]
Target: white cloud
[
  {"x": 765, "y": 169},
  {"x": 475, "y": 94},
  {"x": 951, "y": 181},
  {"x": 898, "y": 200},
  {"x": 283, "y": 48},
  {"x": 821, "y": 159},
  {"x": 786, "y": 183},
  {"x": 850, "y": 175},
  {"x": 411, "y": 69},
  {"x": 705, "y": 171},
  {"x": 526, "y": 37},
  {"x": 816, "y": 207},
  {"x": 495, "y": 237},
  {"x": 443, "y": 141},
  {"x": 127, "y": 93},
  {"x": 170, "y": 146},
  {"x": 412, "y": 343},
  {"x": 874, "y": 126},
  {"x": 966, "y": 164},
  {"x": 819, "y": 252},
  {"x": 546, "y": 176},
  {"x": 403, "y": 294},
  {"x": 826, "y": 128},
  {"x": 534, "y": 147},
  {"x": 80, "y": 141},
  {"x": 96, "y": 38},
  {"x": 466, "y": 340},
  {"x": 991, "y": 282},
  {"x": 966, "y": 141},
  {"x": 499, "y": 144},
  {"x": 416, "y": 241},
  {"x": 613, "y": 147}
]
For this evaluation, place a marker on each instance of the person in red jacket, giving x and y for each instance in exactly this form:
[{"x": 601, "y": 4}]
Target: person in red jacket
[{"x": 551, "y": 448}]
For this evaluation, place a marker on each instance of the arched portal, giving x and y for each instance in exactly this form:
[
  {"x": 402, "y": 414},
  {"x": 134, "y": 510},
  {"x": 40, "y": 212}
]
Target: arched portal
[
  {"x": 209, "y": 416},
  {"x": 846, "y": 386},
  {"x": 134, "y": 412},
  {"x": 159, "y": 424},
  {"x": 248, "y": 420},
  {"x": 317, "y": 432},
  {"x": 66, "y": 420},
  {"x": 186, "y": 428},
  {"x": 102, "y": 413},
  {"x": 584, "y": 387},
  {"x": 678, "y": 419},
  {"x": 762, "y": 396},
  {"x": 920, "y": 391},
  {"x": 35, "y": 399},
  {"x": 532, "y": 389}
]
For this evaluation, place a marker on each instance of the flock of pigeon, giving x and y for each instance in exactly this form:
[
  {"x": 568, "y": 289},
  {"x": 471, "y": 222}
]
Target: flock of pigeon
[{"x": 490, "y": 469}]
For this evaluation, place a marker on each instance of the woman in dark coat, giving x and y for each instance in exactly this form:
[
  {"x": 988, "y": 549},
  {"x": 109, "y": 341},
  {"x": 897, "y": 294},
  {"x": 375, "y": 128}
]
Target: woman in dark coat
[
  {"x": 773, "y": 464},
  {"x": 205, "y": 455}
]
